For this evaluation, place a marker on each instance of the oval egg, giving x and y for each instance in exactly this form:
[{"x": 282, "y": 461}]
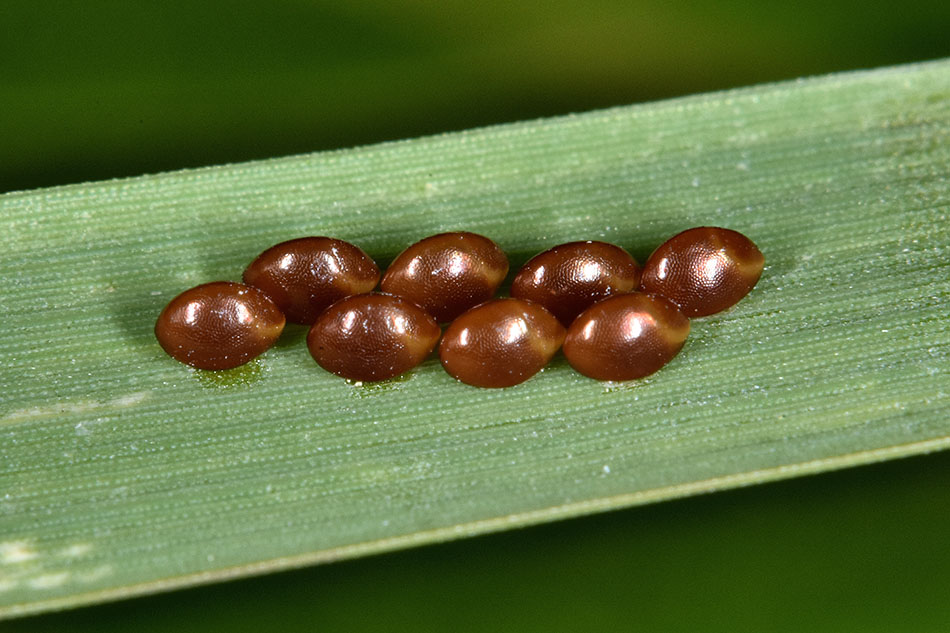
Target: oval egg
[
  {"x": 372, "y": 337},
  {"x": 569, "y": 278},
  {"x": 500, "y": 343},
  {"x": 448, "y": 273},
  {"x": 218, "y": 325},
  {"x": 704, "y": 270},
  {"x": 625, "y": 337},
  {"x": 306, "y": 275}
]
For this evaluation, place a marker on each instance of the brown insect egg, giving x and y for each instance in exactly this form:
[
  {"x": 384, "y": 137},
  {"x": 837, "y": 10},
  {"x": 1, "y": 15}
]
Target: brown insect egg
[
  {"x": 372, "y": 337},
  {"x": 218, "y": 325},
  {"x": 447, "y": 274},
  {"x": 500, "y": 343},
  {"x": 703, "y": 270},
  {"x": 304, "y": 276},
  {"x": 625, "y": 337},
  {"x": 569, "y": 278}
]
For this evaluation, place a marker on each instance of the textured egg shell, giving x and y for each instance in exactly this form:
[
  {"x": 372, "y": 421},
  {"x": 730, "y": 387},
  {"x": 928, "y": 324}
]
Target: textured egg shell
[
  {"x": 218, "y": 325},
  {"x": 448, "y": 273},
  {"x": 306, "y": 275},
  {"x": 703, "y": 270},
  {"x": 372, "y": 337},
  {"x": 500, "y": 343},
  {"x": 569, "y": 278},
  {"x": 625, "y": 337}
]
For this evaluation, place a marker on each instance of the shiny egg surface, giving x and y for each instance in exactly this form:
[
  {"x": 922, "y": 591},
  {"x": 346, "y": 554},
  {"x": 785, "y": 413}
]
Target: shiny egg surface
[
  {"x": 306, "y": 275},
  {"x": 500, "y": 343},
  {"x": 569, "y": 278},
  {"x": 625, "y": 337},
  {"x": 219, "y": 325},
  {"x": 372, "y": 337},
  {"x": 448, "y": 273},
  {"x": 704, "y": 270}
]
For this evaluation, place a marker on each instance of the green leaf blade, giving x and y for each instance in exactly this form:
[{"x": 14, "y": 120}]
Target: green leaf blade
[{"x": 122, "y": 472}]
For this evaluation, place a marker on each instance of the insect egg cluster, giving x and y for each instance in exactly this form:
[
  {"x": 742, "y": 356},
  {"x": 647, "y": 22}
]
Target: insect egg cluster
[{"x": 614, "y": 319}]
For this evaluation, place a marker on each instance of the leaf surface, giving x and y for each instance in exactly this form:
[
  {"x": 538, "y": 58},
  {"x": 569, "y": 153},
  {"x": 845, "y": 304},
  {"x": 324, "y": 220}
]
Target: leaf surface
[{"x": 123, "y": 472}]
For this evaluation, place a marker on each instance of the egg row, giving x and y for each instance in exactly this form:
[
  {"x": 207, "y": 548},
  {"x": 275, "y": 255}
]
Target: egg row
[{"x": 616, "y": 321}]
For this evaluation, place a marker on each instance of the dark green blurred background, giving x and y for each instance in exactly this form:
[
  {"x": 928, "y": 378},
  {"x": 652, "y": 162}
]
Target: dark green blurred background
[
  {"x": 93, "y": 90},
  {"x": 100, "y": 89}
]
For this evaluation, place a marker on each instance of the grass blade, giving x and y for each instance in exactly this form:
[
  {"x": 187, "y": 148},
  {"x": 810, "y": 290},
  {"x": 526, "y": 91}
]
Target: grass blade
[{"x": 122, "y": 472}]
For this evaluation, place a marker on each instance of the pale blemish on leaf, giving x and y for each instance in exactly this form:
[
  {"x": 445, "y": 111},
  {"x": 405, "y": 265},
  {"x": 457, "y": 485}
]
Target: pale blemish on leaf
[
  {"x": 74, "y": 407},
  {"x": 93, "y": 575},
  {"x": 48, "y": 580},
  {"x": 16, "y": 552},
  {"x": 24, "y": 564},
  {"x": 75, "y": 550}
]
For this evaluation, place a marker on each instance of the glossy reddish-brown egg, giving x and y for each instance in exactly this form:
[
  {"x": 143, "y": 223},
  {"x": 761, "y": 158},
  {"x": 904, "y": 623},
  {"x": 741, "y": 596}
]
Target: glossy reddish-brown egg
[
  {"x": 703, "y": 270},
  {"x": 625, "y": 337},
  {"x": 304, "y": 276},
  {"x": 218, "y": 325},
  {"x": 569, "y": 278},
  {"x": 500, "y": 343},
  {"x": 447, "y": 274},
  {"x": 372, "y": 337}
]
